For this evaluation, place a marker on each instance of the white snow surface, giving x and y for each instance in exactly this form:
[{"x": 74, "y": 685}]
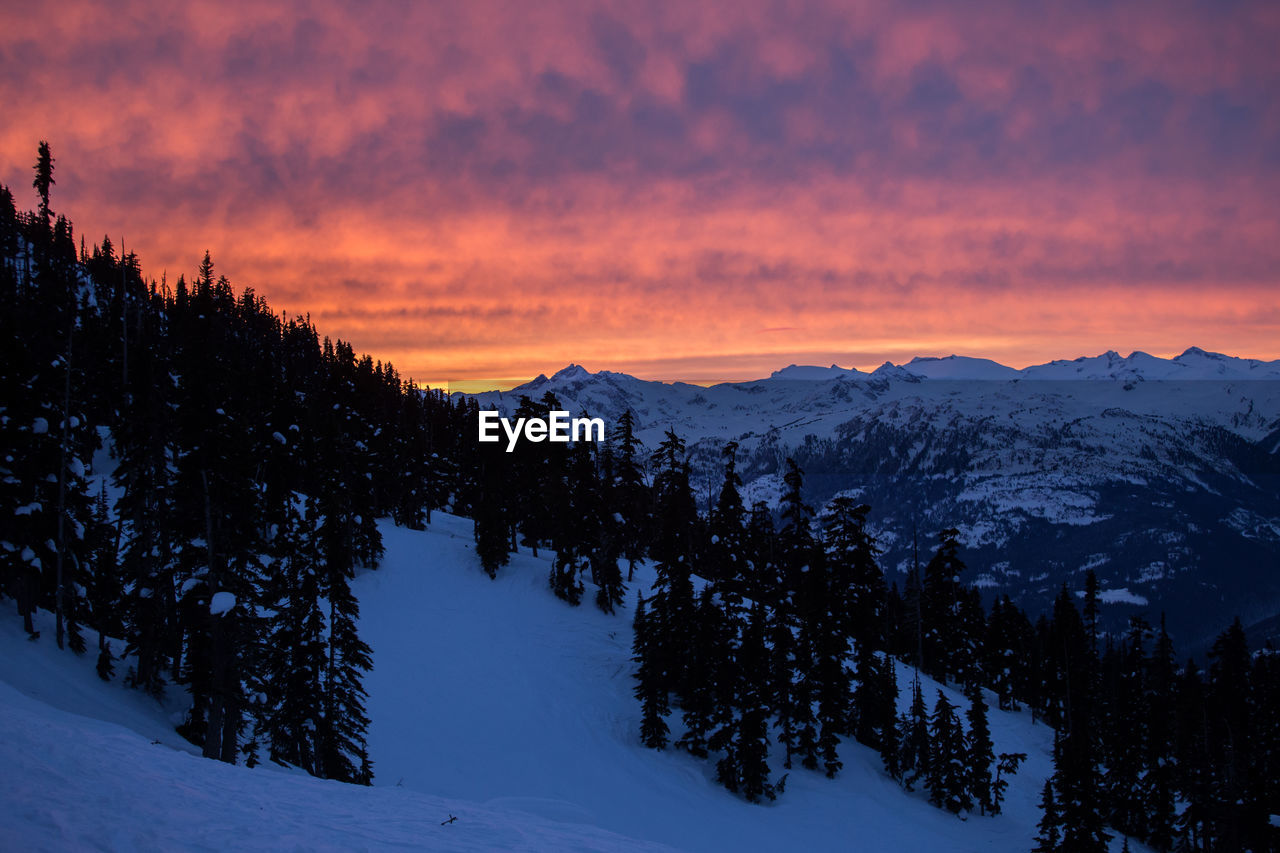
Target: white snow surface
[
  {"x": 490, "y": 700},
  {"x": 221, "y": 603}
]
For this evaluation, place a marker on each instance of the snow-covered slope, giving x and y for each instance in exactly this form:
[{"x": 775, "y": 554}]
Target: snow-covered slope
[
  {"x": 1161, "y": 474},
  {"x": 496, "y": 691},
  {"x": 490, "y": 700},
  {"x": 72, "y": 782}
]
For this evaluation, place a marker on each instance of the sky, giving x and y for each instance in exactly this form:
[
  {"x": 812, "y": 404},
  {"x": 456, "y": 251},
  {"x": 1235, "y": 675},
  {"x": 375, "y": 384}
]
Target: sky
[{"x": 701, "y": 191}]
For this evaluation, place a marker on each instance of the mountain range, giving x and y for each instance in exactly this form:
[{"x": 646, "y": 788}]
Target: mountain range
[{"x": 1159, "y": 474}]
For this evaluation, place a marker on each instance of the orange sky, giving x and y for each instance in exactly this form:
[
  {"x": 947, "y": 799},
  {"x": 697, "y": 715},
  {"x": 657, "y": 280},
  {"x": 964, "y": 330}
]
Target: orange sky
[{"x": 490, "y": 191}]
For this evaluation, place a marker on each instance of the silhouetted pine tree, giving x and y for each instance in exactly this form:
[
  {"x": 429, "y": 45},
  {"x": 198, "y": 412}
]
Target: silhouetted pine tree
[
  {"x": 1158, "y": 785},
  {"x": 914, "y": 739},
  {"x": 1049, "y": 835},
  {"x": 981, "y": 751},
  {"x": 945, "y": 638},
  {"x": 890, "y": 747},
  {"x": 1077, "y": 779},
  {"x": 650, "y": 687},
  {"x": 627, "y": 493},
  {"x": 492, "y": 525},
  {"x": 701, "y": 661},
  {"x": 671, "y": 549},
  {"x": 105, "y": 592},
  {"x": 948, "y": 776},
  {"x": 753, "y": 727},
  {"x": 798, "y": 622}
]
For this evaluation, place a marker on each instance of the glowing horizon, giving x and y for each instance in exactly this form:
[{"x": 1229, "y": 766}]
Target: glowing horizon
[{"x": 490, "y": 190}]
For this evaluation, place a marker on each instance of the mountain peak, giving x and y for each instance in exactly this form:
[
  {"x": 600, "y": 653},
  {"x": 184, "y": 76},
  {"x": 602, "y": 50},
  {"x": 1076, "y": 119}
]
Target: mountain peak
[
  {"x": 812, "y": 372},
  {"x": 571, "y": 372}
]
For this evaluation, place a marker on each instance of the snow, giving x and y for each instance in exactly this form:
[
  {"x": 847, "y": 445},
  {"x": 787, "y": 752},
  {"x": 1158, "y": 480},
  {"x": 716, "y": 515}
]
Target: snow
[
  {"x": 40, "y": 426},
  {"x": 1121, "y": 596},
  {"x": 221, "y": 602},
  {"x": 1193, "y": 364},
  {"x": 497, "y": 692},
  {"x": 75, "y": 783},
  {"x": 809, "y": 373},
  {"x": 959, "y": 367},
  {"x": 491, "y": 701}
]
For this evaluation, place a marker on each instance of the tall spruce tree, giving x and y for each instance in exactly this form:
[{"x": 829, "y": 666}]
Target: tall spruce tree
[
  {"x": 651, "y": 687},
  {"x": 981, "y": 751},
  {"x": 948, "y": 776}
]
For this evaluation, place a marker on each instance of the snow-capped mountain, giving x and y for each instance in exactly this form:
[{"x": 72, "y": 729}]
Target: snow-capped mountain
[{"x": 1160, "y": 474}]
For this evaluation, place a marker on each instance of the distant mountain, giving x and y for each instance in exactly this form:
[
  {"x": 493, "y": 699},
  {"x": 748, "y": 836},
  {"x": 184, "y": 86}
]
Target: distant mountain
[
  {"x": 959, "y": 367},
  {"x": 1163, "y": 475}
]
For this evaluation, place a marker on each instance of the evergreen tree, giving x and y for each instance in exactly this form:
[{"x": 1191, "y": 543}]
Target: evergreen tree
[
  {"x": 628, "y": 495},
  {"x": 1158, "y": 785},
  {"x": 1007, "y": 764},
  {"x": 753, "y": 727},
  {"x": 105, "y": 594},
  {"x": 1077, "y": 779},
  {"x": 650, "y": 688},
  {"x": 857, "y": 608},
  {"x": 914, "y": 739},
  {"x": 671, "y": 549},
  {"x": 44, "y": 180},
  {"x": 948, "y": 775},
  {"x": 888, "y": 738},
  {"x": 798, "y": 622},
  {"x": 981, "y": 751},
  {"x": 701, "y": 660},
  {"x": 492, "y": 525},
  {"x": 1049, "y": 837},
  {"x": 945, "y": 637}
]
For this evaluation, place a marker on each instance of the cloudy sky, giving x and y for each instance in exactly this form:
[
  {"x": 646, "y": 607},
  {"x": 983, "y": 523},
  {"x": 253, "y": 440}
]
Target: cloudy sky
[{"x": 688, "y": 190}]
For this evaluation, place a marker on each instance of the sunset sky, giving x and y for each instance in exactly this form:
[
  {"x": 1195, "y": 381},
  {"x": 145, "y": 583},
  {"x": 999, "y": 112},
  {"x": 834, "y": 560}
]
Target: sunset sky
[{"x": 692, "y": 190}]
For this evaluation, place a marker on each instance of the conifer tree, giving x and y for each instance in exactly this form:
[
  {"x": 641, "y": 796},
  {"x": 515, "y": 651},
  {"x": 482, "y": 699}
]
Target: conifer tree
[
  {"x": 44, "y": 180},
  {"x": 491, "y": 517},
  {"x": 889, "y": 747},
  {"x": 943, "y": 629},
  {"x": 798, "y": 622},
  {"x": 1158, "y": 785},
  {"x": 628, "y": 495},
  {"x": 650, "y": 686},
  {"x": 981, "y": 751},
  {"x": 1049, "y": 835},
  {"x": 948, "y": 775},
  {"x": 753, "y": 726},
  {"x": 1077, "y": 780},
  {"x": 672, "y": 604},
  {"x": 725, "y": 560},
  {"x": 914, "y": 739},
  {"x": 1007, "y": 764},
  {"x": 297, "y": 645},
  {"x": 701, "y": 661},
  {"x": 105, "y": 594}
]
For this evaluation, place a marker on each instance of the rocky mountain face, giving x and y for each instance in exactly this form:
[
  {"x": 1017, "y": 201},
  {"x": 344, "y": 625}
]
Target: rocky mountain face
[{"x": 1162, "y": 475}]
